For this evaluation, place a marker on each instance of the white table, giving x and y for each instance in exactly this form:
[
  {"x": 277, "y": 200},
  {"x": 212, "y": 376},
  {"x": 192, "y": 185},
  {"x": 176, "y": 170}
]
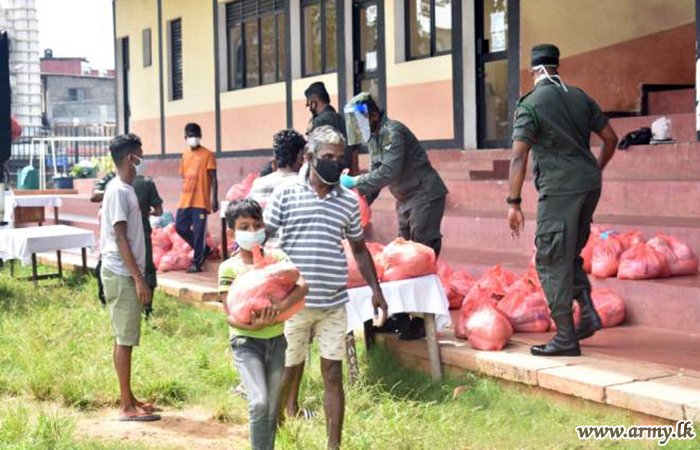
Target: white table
[
  {"x": 13, "y": 201},
  {"x": 25, "y": 243},
  {"x": 423, "y": 295}
]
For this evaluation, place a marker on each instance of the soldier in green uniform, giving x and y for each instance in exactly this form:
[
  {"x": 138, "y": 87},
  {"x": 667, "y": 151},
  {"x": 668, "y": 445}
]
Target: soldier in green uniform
[
  {"x": 399, "y": 161},
  {"x": 556, "y": 120},
  {"x": 151, "y": 205},
  {"x": 322, "y": 113}
]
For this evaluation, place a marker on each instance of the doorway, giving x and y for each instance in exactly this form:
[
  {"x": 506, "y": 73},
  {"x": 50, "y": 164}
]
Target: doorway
[
  {"x": 368, "y": 49},
  {"x": 497, "y": 69}
]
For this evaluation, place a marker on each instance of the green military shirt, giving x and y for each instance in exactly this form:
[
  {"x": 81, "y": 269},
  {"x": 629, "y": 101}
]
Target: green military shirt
[
  {"x": 328, "y": 116},
  {"x": 398, "y": 160},
  {"x": 146, "y": 193},
  {"x": 557, "y": 125}
]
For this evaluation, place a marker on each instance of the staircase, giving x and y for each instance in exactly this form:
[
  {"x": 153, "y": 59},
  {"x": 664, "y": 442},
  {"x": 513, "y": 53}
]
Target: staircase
[{"x": 649, "y": 188}]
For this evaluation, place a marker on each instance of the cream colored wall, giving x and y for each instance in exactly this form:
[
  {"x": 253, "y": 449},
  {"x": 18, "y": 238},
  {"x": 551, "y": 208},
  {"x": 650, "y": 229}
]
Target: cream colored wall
[
  {"x": 300, "y": 115},
  {"x": 143, "y": 81},
  {"x": 576, "y": 28}
]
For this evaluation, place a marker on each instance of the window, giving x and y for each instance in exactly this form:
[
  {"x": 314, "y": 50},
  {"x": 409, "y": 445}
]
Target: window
[
  {"x": 76, "y": 94},
  {"x": 319, "y": 36},
  {"x": 147, "y": 56},
  {"x": 175, "y": 54},
  {"x": 429, "y": 27},
  {"x": 257, "y": 45}
]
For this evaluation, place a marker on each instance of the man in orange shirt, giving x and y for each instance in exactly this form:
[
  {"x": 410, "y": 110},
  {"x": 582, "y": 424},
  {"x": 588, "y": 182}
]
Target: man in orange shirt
[{"x": 199, "y": 195}]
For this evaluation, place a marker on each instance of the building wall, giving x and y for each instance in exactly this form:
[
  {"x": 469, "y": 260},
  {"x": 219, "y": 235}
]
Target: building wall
[
  {"x": 610, "y": 48},
  {"x": 62, "y": 66},
  {"x": 97, "y": 107},
  {"x": 144, "y": 99}
]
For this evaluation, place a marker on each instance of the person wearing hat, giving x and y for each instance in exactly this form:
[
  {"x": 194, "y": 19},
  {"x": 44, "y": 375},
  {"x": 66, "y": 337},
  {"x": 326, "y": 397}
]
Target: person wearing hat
[
  {"x": 322, "y": 113},
  {"x": 399, "y": 161},
  {"x": 555, "y": 121}
]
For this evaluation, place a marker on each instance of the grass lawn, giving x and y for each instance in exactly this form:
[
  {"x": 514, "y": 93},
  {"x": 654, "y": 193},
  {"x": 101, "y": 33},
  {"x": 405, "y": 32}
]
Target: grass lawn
[{"x": 55, "y": 366}]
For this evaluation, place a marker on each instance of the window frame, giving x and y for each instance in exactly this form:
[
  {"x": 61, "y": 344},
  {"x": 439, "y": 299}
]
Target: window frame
[
  {"x": 433, "y": 35},
  {"x": 275, "y": 13},
  {"x": 171, "y": 67},
  {"x": 324, "y": 58}
]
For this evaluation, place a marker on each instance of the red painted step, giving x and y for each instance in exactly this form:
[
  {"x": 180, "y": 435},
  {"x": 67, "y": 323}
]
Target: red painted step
[{"x": 670, "y": 303}]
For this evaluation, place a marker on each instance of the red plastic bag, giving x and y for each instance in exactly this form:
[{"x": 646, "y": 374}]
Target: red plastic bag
[
  {"x": 355, "y": 278},
  {"x": 365, "y": 211},
  {"x": 463, "y": 281},
  {"x": 174, "y": 261},
  {"x": 241, "y": 190},
  {"x": 587, "y": 252},
  {"x": 404, "y": 259},
  {"x": 15, "y": 128},
  {"x": 476, "y": 299},
  {"x": 454, "y": 295},
  {"x": 642, "y": 262},
  {"x": 527, "y": 312},
  {"x": 488, "y": 329},
  {"x": 680, "y": 258},
  {"x": 257, "y": 289},
  {"x": 610, "y": 307},
  {"x": 497, "y": 279},
  {"x": 171, "y": 230},
  {"x": 631, "y": 238},
  {"x": 606, "y": 257},
  {"x": 161, "y": 239},
  {"x": 158, "y": 254}
]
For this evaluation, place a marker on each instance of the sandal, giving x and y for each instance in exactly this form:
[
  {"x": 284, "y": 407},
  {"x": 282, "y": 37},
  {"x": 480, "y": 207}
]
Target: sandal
[
  {"x": 306, "y": 414},
  {"x": 140, "y": 417}
]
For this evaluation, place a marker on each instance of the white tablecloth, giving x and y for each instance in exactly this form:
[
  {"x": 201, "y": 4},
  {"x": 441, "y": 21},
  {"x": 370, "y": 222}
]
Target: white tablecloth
[
  {"x": 20, "y": 243},
  {"x": 28, "y": 201},
  {"x": 417, "y": 295}
]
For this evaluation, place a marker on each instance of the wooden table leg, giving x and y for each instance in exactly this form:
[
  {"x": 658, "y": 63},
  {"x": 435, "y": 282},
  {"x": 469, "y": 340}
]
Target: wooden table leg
[
  {"x": 369, "y": 335},
  {"x": 59, "y": 264},
  {"x": 433, "y": 348},
  {"x": 351, "y": 350},
  {"x": 35, "y": 272},
  {"x": 55, "y": 216},
  {"x": 83, "y": 253},
  {"x": 224, "y": 239},
  {"x": 12, "y": 268}
]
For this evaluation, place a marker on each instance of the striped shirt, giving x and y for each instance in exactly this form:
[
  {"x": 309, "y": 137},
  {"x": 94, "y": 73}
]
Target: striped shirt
[
  {"x": 264, "y": 187},
  {"x": 313, "y": 229}
]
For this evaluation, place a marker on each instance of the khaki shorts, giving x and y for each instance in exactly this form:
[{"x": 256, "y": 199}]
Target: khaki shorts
[
  {"x": 329, "y": 326},
  {"x": 124, "y": 307}
]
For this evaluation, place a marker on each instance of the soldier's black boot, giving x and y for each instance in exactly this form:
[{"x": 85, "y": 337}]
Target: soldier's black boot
[
  {"x": 590, "y": 320},
  {"x": 564, "y": 343}
]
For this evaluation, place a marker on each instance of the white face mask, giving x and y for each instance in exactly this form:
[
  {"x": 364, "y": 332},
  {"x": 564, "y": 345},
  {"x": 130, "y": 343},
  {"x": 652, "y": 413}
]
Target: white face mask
[
  {"x": 141, "y": 167},
  {"x": 193, "y": 141},
  {"x": 249, "y": 239},
  {"x": 545, "y": 74}
]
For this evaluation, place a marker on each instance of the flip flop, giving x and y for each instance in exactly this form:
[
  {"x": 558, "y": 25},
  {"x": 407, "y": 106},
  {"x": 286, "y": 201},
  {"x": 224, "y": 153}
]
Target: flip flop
[
  {"x": 307, "y": 414},
  {"x": 150, "y": 408},
  {"x": 141, "y": 417}
]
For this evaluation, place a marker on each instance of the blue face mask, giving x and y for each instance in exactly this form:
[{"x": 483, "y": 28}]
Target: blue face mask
[{"x": 249, "y": 239}]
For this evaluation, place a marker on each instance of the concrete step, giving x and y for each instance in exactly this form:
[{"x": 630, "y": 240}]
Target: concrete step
[
  {"x": 658, "y": 383},
  {"x": 627, "y": 198},
  {"x": 670, "y": 303},
  {"x": 488, "y": 230},
  {"x": 683, "y": 125}
]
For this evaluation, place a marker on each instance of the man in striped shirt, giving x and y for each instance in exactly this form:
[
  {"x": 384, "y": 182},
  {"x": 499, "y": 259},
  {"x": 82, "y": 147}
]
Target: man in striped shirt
[{"x": 315, "y": 214}]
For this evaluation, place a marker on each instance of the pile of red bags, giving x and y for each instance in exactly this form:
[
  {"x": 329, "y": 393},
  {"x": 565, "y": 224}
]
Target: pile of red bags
[
  {"x": 497, "y": 279},
  {"x": 526, "y": 307},
  {"x": 365, "y": 211},
  {"x": 259, "y": 288},
  {"x": 488, "y": 329},
  {"x": 172, "y": 253},
  {"x": 241, "y": 190},
  {"x": 610, "y": 307},
  {"x": 404, "y": 259},
  {"x": 355, "y": 278},
  {"x": 627, "y": 256}
]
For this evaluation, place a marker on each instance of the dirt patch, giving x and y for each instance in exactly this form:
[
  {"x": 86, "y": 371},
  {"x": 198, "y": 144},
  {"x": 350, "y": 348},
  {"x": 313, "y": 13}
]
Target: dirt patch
[{"x": 191, "y": 428}]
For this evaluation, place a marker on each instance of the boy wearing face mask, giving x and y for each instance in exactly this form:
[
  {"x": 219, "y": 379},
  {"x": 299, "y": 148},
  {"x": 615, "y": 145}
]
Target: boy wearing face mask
[
  {"x": 259, "y": 347},
  {"x": 151, "y": 204},
  {"x": 199, "y": 195},
  {"x": 123, "y": 266}
]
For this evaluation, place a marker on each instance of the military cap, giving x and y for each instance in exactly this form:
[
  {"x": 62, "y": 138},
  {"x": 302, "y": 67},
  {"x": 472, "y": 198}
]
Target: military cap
[{"x": 545, "y": 55}]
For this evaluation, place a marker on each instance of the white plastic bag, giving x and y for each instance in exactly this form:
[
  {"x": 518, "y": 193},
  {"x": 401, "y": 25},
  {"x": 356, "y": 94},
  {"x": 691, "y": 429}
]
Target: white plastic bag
[{"x": 661, "y": 129}]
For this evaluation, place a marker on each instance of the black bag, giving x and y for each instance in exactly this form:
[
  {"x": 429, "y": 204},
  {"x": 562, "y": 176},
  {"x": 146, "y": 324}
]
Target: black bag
[{"x": 641, "y": 136}]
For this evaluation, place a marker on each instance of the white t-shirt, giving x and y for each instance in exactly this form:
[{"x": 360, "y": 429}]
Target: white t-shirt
[{"x": 121, "y": 205}]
